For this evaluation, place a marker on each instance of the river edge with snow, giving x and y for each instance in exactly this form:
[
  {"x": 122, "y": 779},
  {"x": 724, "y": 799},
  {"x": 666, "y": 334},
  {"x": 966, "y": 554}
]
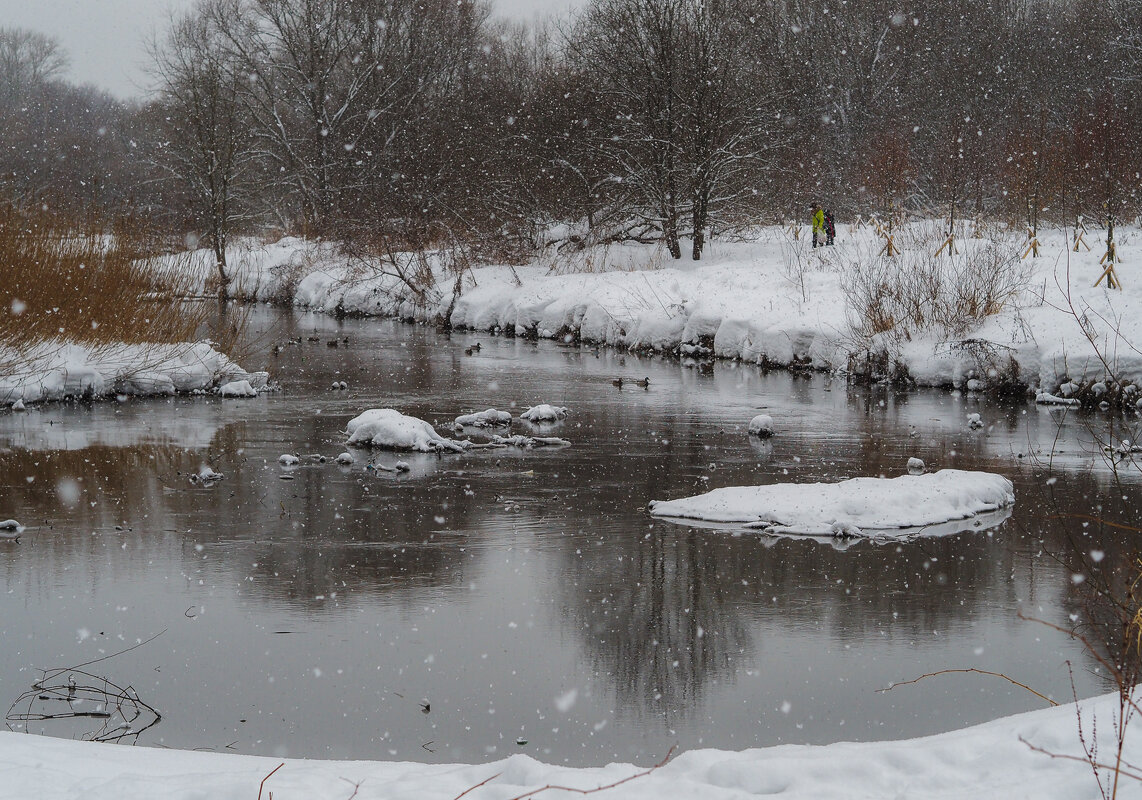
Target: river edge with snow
[
  {"x": 1032, "y": 755},
  {"x": 771, "y": 300}
]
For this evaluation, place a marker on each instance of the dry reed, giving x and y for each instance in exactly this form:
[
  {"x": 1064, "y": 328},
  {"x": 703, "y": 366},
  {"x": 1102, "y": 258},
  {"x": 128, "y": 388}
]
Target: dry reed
[{"x": 61, "y": 284}]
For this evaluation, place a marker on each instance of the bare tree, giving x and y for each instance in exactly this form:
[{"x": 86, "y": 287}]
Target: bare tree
[
  {"x": 732, "y": 131},
  {"x": 634, "y": 50},
  {"x": 207, "y": 141},
  {"x": 334, "y": 86},
  {"x": 28, "y": 60},
  {"x": 690, "y": 115}
]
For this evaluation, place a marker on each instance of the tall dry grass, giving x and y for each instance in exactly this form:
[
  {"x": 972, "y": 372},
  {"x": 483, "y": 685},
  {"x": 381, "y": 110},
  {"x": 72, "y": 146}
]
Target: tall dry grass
[{"x": 62, "y": 284}]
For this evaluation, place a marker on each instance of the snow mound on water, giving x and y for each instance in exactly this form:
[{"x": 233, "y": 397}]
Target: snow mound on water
[
  {"x": 389, "y": 429},
  {"x": 237, "y": 389},
  {"x": 761, "y": 425},
  {"x": 861, "y": 505},
  {"x": 544, "y": 413},
  {"x": 485, "y": 419}
]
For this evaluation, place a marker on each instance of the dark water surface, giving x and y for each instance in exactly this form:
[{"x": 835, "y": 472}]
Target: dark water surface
[{"x": 527, "y": 595}]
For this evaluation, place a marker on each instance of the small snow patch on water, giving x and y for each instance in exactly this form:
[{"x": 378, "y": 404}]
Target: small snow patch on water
[
  {"x": 761, "y": 425},
  {"x": 237, "y": 389},
  {"x": 544, "y": 412}
]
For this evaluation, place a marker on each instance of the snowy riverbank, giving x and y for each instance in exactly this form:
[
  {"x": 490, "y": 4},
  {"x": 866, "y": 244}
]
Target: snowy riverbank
[
  {"x": 770, "y": 300},
  {"x": 1024, "y": 756},
  {"x": 53, "y": 371}
]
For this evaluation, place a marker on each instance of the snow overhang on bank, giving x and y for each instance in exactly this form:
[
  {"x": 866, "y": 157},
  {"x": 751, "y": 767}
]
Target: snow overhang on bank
[{"x": 58, "y": 370}]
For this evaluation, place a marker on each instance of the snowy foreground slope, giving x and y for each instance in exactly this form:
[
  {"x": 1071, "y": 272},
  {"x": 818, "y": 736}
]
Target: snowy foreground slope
[
  {"x": 770, "y": 300},
  {"x": 993, "y": 760}
]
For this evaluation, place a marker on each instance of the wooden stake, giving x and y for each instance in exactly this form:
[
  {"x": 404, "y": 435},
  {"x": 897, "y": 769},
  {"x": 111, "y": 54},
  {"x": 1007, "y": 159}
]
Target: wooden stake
[
  {"x": 1111, "y": 276},
  {"x": 1080, "y": 232},
  {"x": 1032, "y": 245},
  {"x": 889, "y": 248},
  {"x": 949, "y": 243}
]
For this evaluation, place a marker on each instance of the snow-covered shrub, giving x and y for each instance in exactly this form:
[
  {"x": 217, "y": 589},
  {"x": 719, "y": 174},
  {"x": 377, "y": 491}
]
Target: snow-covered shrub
[
  {"x": 920, "y": 293},
  {"x": 602, "y": 257}
]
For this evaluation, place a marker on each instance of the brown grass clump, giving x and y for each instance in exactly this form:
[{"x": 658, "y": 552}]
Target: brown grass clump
[{"x": 60, "y": 285}]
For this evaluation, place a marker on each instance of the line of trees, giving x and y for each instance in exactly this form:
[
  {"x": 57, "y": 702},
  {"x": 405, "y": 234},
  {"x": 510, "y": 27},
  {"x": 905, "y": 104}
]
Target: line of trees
[{"x": 404, "y": 122}]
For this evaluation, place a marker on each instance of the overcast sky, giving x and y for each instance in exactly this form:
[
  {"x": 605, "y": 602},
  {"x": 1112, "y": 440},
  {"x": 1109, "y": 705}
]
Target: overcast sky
[{"x": 105, "y": 38}]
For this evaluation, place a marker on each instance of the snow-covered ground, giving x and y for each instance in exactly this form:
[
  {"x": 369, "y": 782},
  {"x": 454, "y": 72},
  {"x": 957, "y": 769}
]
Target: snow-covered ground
[
  {"x": 878, "y": 507},
  {"x": 769, "y": 300},
  {"x": 1024, "y": 756},
  {"x": 57, "y": 370}
]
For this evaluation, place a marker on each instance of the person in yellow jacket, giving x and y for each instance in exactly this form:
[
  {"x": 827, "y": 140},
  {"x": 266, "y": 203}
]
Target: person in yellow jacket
[{"x": 818, "y": 224}]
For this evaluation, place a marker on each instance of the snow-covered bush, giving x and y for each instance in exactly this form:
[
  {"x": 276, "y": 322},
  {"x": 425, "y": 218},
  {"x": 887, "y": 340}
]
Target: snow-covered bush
[{"x": 921, "y": 294}]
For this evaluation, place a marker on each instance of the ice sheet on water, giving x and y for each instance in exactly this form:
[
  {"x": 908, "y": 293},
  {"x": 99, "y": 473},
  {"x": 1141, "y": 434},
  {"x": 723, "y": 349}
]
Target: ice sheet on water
[{"x": 899, "y": 507}]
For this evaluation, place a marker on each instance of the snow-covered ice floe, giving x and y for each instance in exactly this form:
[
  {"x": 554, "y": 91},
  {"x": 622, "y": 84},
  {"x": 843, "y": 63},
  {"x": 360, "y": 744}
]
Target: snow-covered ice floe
[
  {"x": 529, "y": 442},
  {"x": 1032, "y": 755},
  {"x": 241, "y": 388},
  {"x": 875, "y": 507},
  {"x": 207, "y": 476},
  {"x": 1048, "y": 399},
  {"x": 485, "y": 419},
  {"x": 544, "y": 412},
  {"x": 10, "y": 530},
  {"x": 389, "y": 429}
]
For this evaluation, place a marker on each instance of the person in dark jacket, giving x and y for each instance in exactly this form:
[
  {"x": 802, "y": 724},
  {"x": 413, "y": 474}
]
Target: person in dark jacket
[{"x": 830, "y": 228}]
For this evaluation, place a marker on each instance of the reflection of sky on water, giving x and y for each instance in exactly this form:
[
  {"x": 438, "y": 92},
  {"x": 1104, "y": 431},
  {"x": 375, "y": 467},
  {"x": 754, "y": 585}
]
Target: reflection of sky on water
[
  {"x": 76, "y": 426},
  {"x": 312, "y": 615}
]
